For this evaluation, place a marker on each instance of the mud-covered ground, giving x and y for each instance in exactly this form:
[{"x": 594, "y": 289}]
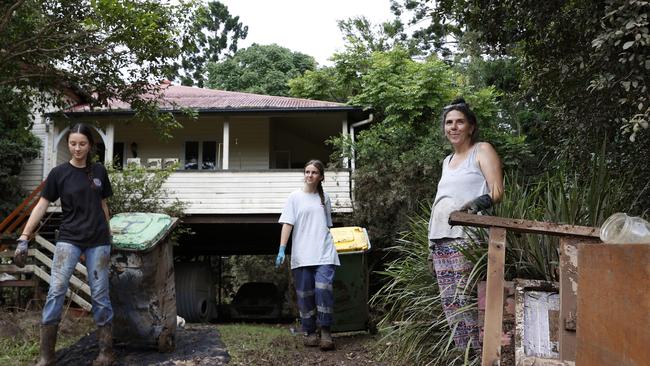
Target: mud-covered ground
[{"x": 196, "y": 344}]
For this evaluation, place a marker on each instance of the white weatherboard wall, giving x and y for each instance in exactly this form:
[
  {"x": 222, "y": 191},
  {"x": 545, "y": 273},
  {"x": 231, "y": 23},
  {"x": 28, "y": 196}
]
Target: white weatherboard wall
[
  {"x": 32, "y": 173},
  {"x": 249, "y": 144},
  {"x": 232, "y": 192}
]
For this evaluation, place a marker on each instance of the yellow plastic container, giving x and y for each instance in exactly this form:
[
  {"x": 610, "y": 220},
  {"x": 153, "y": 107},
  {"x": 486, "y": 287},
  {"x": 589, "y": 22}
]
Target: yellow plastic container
[{"x": 350, "y": 239}]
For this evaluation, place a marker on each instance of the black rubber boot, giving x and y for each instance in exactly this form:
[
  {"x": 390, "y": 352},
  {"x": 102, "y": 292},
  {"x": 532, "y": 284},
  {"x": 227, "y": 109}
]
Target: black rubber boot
[
  {"x": 326, "y": 341},
  {"x": 105, "y": 341},
  {"x": 48, "y": 342}
]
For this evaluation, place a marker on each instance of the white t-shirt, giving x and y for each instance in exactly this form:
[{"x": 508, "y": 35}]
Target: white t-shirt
[{"x": 311, "y": 240}]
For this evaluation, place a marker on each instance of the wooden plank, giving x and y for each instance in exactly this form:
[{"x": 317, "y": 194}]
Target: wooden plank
[
  {"x": 20, "y": 207},
  {"x": 569, "y": 247},
  {"x": 11, "y": 268},
  {"x": 17, "y": 283},
  {"x": 522, "y": 226},
  {"x": 494, "y": 297},
  {"x": 614, "y": 305}
]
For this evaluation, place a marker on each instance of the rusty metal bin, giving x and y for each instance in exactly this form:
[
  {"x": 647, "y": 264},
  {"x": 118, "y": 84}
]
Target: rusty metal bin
[
  {"x": 351, "y": 311},
  {"x": 142, "y": 281}
]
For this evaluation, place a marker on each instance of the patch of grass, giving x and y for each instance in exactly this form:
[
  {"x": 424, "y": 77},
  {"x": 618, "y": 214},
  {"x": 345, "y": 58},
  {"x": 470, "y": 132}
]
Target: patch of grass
[
  {"x": 275, "y": 345},
  {"x": 22, "y": 347},
  {"x": 246, "y": 342},
  {"x": 22, "y": 352}
]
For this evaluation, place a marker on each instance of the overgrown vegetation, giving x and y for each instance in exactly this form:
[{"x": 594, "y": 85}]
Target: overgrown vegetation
[
  {"x": 260, "y": 69},
  {"x": 136, "y": 189},
  {"x": 17, "y": 146}
]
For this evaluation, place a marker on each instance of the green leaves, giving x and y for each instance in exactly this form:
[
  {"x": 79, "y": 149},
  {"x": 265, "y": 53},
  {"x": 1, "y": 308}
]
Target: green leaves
[
  {"x": 260, "y": 69},
  {"x": 209, "y": 33},
  {"x": 136, "y": 189},
  {"x": 17, "y": 146}
]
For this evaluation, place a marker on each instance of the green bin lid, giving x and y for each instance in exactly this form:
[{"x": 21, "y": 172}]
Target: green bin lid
[{"x": 139, "y": 231}]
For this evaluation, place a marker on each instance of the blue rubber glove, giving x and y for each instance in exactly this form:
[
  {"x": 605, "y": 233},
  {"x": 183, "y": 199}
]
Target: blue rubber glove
[
  {"x": 20, "y": 255},
  {"x": 280, "y": 258}
]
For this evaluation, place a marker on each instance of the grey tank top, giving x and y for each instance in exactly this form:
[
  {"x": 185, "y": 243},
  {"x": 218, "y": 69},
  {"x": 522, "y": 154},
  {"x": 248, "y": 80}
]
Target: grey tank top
[{"x": 456, "y": 187}]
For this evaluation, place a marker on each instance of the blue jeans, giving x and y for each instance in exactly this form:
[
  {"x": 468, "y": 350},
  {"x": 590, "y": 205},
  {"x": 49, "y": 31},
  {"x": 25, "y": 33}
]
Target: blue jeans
[
  {"x": 315, "y": 295},
  {"x": 66, "y": 257}
]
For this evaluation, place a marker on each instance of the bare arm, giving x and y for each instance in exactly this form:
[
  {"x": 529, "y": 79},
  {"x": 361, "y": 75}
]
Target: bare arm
[
  {"x": 107, "y": 213},
  {"x": 284, "y": 235},
  {"x": 34, "y": 218},
  {"x": 490, "y": 165}
]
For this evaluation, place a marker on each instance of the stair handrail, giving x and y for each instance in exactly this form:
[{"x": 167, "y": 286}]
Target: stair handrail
[{"x": 17, "y": 217}]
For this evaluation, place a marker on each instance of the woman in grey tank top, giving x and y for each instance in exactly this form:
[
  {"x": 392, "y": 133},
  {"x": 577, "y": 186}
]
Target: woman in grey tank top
[{"x": 471, "y": 181}]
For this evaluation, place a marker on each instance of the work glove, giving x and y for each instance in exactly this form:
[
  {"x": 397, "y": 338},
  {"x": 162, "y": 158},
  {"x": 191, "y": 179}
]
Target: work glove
[
  {"x": 280, "y": 258},
  {"x": 480, "y": 203},
  {"x": 20, "y": 255}
]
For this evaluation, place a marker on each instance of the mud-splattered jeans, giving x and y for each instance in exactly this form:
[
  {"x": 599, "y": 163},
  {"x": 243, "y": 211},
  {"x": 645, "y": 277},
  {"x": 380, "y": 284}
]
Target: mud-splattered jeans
[{"x": 66, "y": 257}]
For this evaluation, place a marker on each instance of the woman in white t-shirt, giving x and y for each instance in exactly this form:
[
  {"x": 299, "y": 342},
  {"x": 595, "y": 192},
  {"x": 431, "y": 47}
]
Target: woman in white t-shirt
[{"x": 307, "y": 217}]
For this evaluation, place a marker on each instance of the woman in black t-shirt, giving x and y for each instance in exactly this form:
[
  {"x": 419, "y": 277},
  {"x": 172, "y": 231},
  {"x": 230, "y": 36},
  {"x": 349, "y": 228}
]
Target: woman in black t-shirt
[{"x": 83, "y": 188}]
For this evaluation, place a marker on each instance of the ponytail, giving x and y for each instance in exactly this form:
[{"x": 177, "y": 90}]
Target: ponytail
[{"x": 321, "y": 193}]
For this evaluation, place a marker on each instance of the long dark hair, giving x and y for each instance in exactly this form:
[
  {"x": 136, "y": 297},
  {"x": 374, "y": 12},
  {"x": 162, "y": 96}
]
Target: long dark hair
[
  {"x": 460, "y": 105},
  {"x": 86, "y": 131},
  {"x": 321, "y": 169}
]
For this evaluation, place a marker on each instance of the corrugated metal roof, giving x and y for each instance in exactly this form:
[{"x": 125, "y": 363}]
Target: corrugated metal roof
[{"x": 175, "y": 97}]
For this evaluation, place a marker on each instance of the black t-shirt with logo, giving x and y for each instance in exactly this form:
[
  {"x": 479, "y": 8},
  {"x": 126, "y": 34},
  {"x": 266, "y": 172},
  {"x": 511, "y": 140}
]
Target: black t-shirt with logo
[{"x": 84, "y": 223}]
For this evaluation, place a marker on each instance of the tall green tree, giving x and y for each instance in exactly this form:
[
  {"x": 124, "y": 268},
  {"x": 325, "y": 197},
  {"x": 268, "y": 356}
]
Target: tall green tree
[
  {"x": 213, "y": 33},
  {"x": 50, "y": 49},
  {"x": 261, "y": 69},
  {"x": 17, "y": 146},
  {"x": 585, "y": 66},
  {"x": 343, "y": 80},
  {"x": 94, "y": 50}
]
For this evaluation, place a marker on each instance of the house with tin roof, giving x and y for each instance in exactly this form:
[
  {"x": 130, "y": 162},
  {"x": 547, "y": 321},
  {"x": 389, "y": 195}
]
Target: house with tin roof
[
  {"x": 238, "y": 160},
  {"x": 236, "y": 164},
  {"x": 243, "y": 154}
]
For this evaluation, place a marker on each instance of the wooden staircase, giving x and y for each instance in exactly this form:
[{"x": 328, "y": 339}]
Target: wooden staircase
[{"x": 39, "y": 256}]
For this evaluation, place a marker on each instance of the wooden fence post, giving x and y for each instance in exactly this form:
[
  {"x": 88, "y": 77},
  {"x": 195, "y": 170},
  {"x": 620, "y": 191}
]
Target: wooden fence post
[{"x": 494, "y": 297}]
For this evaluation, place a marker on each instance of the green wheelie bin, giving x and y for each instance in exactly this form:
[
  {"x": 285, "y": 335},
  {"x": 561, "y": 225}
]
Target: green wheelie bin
[
  {"x": 351, "y": 311},
  {"x": 142, "y": 280}
]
